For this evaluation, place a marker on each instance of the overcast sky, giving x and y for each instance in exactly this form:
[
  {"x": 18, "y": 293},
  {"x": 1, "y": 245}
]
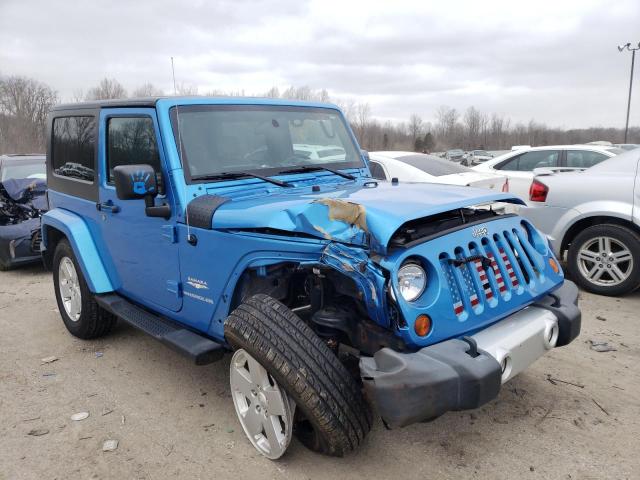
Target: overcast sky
[{"x": 552, "y": 61}]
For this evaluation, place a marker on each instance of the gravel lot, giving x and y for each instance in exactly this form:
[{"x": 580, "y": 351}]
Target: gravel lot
[{"x": 175, "y": 420}]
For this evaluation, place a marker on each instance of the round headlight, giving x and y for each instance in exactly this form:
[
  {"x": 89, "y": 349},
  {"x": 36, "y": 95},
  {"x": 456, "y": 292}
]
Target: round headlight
[{"x": 412, "y": 281}]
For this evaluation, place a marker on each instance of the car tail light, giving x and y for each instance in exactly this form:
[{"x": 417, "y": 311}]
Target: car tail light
[
  {"x": 505, "y": 185},
  {"x": 538, "y": 191}
]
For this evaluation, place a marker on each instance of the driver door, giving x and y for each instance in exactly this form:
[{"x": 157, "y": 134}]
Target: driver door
[{"x": 140, "y": 250}]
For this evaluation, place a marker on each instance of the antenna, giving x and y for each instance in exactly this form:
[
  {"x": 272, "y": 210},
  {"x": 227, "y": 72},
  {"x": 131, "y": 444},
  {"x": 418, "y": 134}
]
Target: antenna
[{"x": 190, "y": 238}]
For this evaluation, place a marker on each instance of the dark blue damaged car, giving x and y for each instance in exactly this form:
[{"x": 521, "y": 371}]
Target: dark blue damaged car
[
  {"x": 253, "y": 226},
  {"x": 22, "y": 203}
]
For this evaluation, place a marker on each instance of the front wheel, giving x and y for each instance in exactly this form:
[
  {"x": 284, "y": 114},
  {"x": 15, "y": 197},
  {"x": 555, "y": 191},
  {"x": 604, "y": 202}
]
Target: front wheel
[
  {"x": 605, "y": 259},
  {"x": 280, "y": 365}
]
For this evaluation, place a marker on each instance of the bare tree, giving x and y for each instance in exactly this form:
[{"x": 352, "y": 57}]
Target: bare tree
[
  {"x": 24, "y": 105},
  {"x": 415, "y": 126},
  {"x": 147, "y": 90},
  {"x": 473, "y": 126},
  {"x": 108, "y": 88},
  {"x": 361, "y": 121},
  {"x": 446, "y": 131},
  {"x": 273, "y": 92},
  {"x": 186, "y": 90}
]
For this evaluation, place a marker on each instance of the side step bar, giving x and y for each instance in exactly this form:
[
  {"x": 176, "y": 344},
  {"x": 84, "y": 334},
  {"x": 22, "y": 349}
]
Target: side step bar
[{"x": 196, "y": 347}]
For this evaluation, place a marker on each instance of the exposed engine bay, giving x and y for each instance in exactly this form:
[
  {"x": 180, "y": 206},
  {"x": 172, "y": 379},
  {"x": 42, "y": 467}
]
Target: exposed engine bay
[
  {"x": 22, "y": 203},
  {"x": 21, "y": 199}
]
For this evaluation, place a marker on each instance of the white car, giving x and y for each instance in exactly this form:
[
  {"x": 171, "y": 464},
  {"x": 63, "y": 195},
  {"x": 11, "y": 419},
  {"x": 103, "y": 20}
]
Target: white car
[
  {"x": 419, "y": 167},
  {"x": 518, "y": 165}
]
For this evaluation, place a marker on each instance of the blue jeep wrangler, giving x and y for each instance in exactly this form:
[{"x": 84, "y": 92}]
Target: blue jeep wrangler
[{"x": 254, "y": 226}]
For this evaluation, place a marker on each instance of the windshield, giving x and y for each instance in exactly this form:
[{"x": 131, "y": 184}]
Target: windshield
[
  {"x": 481, "y": 153},
  {"x": 23, "y": 170},
  {"x": 433, "y": 165},
  {"x": 455, "y": 152},
  {"x": 266, "y": 139}
]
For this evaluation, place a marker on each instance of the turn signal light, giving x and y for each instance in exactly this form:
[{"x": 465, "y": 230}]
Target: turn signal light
[
  {"x": 422, "y": 326},
  {"x": 554, "y": 265},
  {"x": 538, "y": 191}
]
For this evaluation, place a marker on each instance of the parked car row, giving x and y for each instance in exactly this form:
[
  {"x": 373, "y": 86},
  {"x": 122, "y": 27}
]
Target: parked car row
[{"x": 519, "y": 165}]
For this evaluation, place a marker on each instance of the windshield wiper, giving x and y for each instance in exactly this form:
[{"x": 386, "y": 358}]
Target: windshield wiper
[
  {"x": 234, "y": 175},
  {"x": 315, "y": 168}
]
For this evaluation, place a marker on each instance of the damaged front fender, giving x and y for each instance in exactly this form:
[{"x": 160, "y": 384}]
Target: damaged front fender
[{"x": 355, "y": 263}]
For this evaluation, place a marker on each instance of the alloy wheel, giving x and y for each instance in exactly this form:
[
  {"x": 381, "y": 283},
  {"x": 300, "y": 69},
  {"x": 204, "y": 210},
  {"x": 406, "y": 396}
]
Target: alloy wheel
[
  {"x": 605, "y": 261},
  {"x": 69, "y": 287},
  {"x": 263, "y": 408}
]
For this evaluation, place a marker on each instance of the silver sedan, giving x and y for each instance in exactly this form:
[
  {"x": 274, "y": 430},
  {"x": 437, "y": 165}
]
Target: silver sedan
[{"x": 592, "y": 219}]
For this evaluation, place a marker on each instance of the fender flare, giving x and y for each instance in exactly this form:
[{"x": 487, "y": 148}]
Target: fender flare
[{"x": 75, "y": 229}]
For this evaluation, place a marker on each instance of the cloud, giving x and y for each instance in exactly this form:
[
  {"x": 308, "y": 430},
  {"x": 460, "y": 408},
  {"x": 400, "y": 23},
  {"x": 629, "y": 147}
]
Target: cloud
[{"x": 552, "y": 61}]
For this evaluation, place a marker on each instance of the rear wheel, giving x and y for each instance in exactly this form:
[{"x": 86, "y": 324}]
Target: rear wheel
[
  {"x": 82, "y": 316},
  {"x": 605, "y": 259},
  {"x": 295, "y": 367}
]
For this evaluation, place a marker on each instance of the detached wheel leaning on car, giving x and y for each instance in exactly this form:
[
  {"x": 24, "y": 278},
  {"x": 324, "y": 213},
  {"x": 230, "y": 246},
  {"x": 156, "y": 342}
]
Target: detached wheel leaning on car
[
  {"x": 82, "y": 316},
  {"x": 280, "y": 367},
  {"x": 605, "y": 259}
]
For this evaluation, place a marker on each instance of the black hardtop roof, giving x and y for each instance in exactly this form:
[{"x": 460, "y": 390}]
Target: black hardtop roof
[{"x": 124, "y": 102}]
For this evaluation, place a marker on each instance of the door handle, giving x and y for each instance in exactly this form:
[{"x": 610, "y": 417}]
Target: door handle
[{"x": 107, "y": 206}]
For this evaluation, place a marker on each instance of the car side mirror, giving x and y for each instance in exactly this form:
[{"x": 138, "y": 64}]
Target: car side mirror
[{"x": 135, "y": 181}]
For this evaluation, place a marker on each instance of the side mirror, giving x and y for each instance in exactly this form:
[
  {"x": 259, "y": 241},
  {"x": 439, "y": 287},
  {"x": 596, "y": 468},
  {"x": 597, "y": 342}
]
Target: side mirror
[{"x": 135, "y": 182}]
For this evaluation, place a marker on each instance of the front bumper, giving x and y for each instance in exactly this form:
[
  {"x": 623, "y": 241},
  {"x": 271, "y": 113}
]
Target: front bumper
[
  {"x": 420, "y": 386},
  {"x": 17, "y": 243}
]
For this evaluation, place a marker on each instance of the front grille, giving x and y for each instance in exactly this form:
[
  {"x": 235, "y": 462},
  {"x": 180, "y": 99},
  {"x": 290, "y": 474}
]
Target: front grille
[
  {"x": 36, "y": 240},
  {"x": 489, "y": 270}
]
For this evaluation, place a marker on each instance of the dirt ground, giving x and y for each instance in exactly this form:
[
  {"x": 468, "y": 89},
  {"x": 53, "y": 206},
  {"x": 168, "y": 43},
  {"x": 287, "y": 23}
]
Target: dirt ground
[{"x": 176, "y": 420}]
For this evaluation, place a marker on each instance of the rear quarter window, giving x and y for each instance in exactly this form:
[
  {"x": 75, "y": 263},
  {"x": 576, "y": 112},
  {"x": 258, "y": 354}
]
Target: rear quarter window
[{"x": 73, "y": 147}]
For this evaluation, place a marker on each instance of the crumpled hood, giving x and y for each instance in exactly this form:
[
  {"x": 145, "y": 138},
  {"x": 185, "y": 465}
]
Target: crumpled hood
[{"x": 351, "y": 213}]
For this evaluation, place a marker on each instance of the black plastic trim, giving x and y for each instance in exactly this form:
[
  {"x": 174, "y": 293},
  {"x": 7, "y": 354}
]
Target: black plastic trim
[
  {"x": 200, "y": 210},
  {"x": 201, "y": 350},
  {"x": 563, "y": 303},
  {"x": 416, "y": 387},
  {"x": 428, "y": 238}
]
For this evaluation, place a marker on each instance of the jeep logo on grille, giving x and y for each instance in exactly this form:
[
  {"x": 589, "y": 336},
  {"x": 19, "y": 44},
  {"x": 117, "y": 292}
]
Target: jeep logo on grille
[{"x": 480, "y": 232}]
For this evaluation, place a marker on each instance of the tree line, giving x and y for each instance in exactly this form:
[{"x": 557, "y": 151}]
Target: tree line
[{"x": 25, "y": 102}]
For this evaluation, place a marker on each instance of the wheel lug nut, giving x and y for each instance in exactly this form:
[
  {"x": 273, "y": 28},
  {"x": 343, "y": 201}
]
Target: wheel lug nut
[{"x": 598, "y": 259}]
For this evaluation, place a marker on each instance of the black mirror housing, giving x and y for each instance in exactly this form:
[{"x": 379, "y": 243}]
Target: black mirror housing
[{"x": 135, "y": 182}]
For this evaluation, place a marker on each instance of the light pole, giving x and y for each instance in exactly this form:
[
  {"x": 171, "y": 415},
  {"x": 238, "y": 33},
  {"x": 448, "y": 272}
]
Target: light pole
[{"x": 633, "y": 59}]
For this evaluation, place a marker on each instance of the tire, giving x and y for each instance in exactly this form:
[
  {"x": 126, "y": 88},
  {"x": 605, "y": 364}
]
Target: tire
[
  {"x": 584, "y": 255},
  {"x": 332, "y": 416},
  {"x": 92, "y": 321}
]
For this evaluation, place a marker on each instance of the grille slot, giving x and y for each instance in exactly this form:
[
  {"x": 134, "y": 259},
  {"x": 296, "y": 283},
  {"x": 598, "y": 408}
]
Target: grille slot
[{"x": 36, "y": 240}]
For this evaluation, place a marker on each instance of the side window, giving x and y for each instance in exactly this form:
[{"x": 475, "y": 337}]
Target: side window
[
  {"x": 530, "y": 160},
  {"x": 130, "y": 141},
  {"x": 377, "y": 171},
  {"x": 584, "y": 158},
  {"x": 73, "y": 147}
]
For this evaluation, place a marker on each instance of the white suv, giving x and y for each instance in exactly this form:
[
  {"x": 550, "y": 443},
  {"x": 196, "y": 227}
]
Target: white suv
[{"x": 518, "y": 165}]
